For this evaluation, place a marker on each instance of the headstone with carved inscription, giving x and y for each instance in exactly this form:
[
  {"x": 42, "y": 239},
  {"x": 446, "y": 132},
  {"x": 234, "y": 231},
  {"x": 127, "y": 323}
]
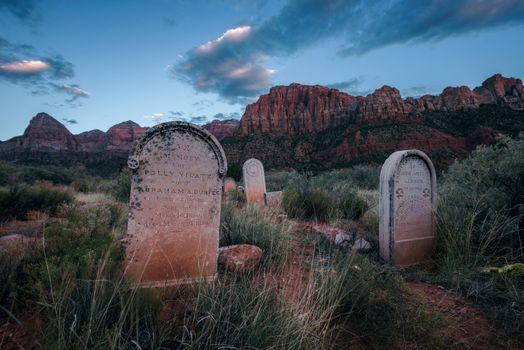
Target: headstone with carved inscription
[
  {"x": 174, "y": 217},
  {"x": 254, "y": 181},
  {"x": 407, "y": 204}
]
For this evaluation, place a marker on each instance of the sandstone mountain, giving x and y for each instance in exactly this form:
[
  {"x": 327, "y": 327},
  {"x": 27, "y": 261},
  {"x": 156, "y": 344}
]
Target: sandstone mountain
[{"x": 313, "y": 127}]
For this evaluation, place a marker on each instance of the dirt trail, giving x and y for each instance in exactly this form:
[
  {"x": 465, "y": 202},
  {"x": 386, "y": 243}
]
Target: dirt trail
[{"x": 467, "y": 326}]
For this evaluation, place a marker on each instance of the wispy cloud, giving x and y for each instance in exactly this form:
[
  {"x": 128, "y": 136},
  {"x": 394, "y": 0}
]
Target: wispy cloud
[
  {"x": 352, "y": 86},
  {"x": 226, "y": 116},
  {"x": 233, "y": 65},
  {"x": 25, "y": 10},
  {"x": 70, "y": 121},
  {"x": 24, "y": 65},
  {"x": 169, "y": 22}
]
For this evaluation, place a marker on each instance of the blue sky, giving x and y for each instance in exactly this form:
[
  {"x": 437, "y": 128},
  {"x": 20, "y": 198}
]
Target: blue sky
[{"x": 92, "y": 64}]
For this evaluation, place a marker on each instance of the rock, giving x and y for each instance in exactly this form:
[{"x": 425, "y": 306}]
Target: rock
[
  {"x": 296, "y": 109},
  {"x": 240, "y": 257},
  {"x": 361, "y": 244},
  {"x": 301, "y": 125},
  {"x": 223, "y": 128}
]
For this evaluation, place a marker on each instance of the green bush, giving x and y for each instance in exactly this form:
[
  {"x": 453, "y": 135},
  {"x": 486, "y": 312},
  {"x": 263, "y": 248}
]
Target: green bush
[
  {"x": 308, "y": 203},
  {"x": 481, "y": 210},
  {"x": 352, "y": 206},
  {"x": 18, "y": 200},
  {"x": 234, "y": 171},
  {"x": 480, "y": 223},
  {"x": 121, "y": 186}
]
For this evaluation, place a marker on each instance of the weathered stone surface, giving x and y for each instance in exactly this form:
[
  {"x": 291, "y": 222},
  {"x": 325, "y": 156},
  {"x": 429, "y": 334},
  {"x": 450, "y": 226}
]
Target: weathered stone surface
[
  {"x": 273, "y": 199},
  {"x": 361, "y": 245},
  {"x": 240, "y": 257},
  {"x": 230, "y": 185},
  {"x": 254, "y": 181},
  {"x": 175, "y": 202},
  {"x": 407, "y": 204}
]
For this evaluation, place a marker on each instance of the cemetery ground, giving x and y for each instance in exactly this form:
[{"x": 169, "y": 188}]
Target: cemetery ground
[{"x": 62, "y": 286}]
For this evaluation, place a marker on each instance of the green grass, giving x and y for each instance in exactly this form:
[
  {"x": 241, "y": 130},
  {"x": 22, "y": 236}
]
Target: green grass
[{"x": 249, "y": 225}]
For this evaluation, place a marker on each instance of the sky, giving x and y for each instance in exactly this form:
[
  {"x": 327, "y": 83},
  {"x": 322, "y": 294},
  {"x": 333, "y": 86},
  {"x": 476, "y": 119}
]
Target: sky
[{"x": 93, "y": 64}]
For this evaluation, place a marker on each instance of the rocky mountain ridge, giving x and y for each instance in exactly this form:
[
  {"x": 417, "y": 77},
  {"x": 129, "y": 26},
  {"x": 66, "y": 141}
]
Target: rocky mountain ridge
[{"x": 313, "y": 126}]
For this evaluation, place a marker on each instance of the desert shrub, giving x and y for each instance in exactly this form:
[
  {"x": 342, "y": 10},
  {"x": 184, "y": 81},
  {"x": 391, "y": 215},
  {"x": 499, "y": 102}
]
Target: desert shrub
[
  {"x": 250, "y": 226},
  {"x": 121, "y": 186},
  {"x": 480, "y": 223},
  {"x": 16, "y": 201},
  {"x": 308, "y": 203},
  {"x": 234, "y": 171},
  {"x": 481, "y": 210},
  {"x": 352, "y": 206}
]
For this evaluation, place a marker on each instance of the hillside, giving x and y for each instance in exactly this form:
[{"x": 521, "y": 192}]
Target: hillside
[{"x": 312, "y": 127}]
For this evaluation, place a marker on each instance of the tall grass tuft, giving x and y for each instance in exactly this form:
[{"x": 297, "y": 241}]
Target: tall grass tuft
[{"x": 249, "y": 225}]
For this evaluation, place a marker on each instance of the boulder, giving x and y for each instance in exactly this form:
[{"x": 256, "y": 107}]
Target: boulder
[{"x": 239, "y": 257}]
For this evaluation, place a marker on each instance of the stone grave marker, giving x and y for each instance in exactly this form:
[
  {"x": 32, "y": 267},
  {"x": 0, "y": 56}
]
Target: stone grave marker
[
  {"x": 254, "y": 181},
  {"x": 174, "y": 217},
  {"x": 273, "y": 199},
  {"x": 407, "y": 204}
]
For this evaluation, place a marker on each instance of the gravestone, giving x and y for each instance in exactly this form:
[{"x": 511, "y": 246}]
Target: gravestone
[
  {"x": 407, "y": 204},
  {"x": 273, "y": 199},
  {"x": 174, "y": 217},
  {"x": 254, "y": 181}
]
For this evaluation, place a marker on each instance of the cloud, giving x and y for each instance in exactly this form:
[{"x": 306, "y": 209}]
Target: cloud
[
  {"x": 169, "y": 22},
  {"x": 175, "y": 113},
  {"x": 226, "y": 116},
  {"x": 23, "y": 65},
  {"x": 73, "y": 90},
  {"x": 352, "y": 86},
  {"x": 70, "y": 121},
  {"x": 417, "y": 91},
  {"x": 232, "y": 65},
  {"x": 24, "y": 10},
  {"x": 227, "y": 65}
]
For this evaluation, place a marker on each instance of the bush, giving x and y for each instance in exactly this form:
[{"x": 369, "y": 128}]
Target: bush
[
  {"x": 480, "y": 223},
  {"x": 234, "y": 171},
  {"x": 18, "y": 200},
  {"x": 121, "y": 186},
  {"x": 308, "y": 204},
  {"x": 352, "y": 206},
  {"x": 481, "y": 210}
]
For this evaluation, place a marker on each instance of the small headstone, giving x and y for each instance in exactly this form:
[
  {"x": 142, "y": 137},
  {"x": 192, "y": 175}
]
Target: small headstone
[
  {"x": 254, "y": 181},
  {"x": 407, "y": 204},
  {"x": 273, "y": 199},
  {"x": 230, "y": 185},
  {"x": 175, "y": 202}
]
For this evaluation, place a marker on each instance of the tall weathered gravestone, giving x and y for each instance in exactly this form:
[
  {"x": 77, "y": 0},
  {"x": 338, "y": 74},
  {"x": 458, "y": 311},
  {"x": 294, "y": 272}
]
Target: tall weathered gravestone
[
  {"x": 407, "y": 204},
  {"x": 174, "y": 218},
  {"x": 254, "y": 181}
]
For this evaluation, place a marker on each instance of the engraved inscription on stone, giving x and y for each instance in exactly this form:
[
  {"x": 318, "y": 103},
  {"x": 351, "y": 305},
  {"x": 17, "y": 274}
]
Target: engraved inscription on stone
[
  {"x": 254, "y": 181},
  {"x": 406, "y": 207},
  {"x": 175, "y": 206}
]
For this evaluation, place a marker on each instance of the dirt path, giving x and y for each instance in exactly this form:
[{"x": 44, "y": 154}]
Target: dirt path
[{"x": 467, "y": 326}]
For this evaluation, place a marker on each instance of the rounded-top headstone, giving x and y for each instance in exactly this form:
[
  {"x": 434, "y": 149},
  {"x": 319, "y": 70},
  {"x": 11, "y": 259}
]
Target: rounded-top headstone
[
  {"x": 174, "y": 215},
  {"x": 407, "y": 205},
  {"x": 254, "y": 181}
]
